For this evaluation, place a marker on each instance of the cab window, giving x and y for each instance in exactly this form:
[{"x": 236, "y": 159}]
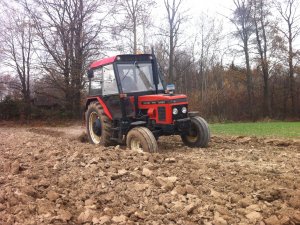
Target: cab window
[
  {"x": 96, "y": 82},
  {"x": 110, "y": 86}
]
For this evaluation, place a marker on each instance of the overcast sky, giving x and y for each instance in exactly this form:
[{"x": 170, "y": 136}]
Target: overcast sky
[
  {"x": 209, "y": 6},
  {"x": 215, "y": 8}
]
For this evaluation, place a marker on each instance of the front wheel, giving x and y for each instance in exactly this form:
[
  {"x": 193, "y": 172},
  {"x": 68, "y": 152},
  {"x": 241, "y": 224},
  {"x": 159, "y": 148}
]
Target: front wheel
[
  {"x": 141, "y": 139},
  {"x": 198, "y": 134}
]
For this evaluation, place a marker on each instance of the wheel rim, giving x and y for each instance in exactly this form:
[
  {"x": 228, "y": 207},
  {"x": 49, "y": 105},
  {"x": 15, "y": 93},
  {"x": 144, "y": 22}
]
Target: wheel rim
[
  {"x": 92, "y": 130},
  {"x": 193, "y": 134},
  {"x": 136, "y": 145}
]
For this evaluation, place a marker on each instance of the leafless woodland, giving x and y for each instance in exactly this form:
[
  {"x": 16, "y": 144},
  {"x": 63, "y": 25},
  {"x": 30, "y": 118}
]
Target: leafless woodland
[{"x": 47, "y": 46}]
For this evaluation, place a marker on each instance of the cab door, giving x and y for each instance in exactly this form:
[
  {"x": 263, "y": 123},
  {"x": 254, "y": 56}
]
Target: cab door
[{"x": 110, "y": 92}]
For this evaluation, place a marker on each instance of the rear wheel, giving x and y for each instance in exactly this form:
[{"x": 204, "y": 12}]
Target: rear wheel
[
  {"x": 141, "y": 139},
  {"x": 98, "y": 125},
  {"x": 199, "y": 133}
]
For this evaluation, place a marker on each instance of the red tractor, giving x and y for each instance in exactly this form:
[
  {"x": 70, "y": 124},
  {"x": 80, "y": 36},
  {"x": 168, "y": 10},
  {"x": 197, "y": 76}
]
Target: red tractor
[{"x": 128, "y": 101}]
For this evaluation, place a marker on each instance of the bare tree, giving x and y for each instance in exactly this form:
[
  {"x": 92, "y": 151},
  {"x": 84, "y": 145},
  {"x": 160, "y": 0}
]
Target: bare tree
[
  {"x": 175, "y": 20},
  {"x": 134, "y": 14},
  {"x": 183, "y": 68},
  {"x": 289, "y": 11},
  {"x": 242, "y": 19},
  {"x": 207, "y": 42},
  {"x": 69, "y": 32},
  {"x": 262, "y": 24},
  {"x": 18, "y": 40}
]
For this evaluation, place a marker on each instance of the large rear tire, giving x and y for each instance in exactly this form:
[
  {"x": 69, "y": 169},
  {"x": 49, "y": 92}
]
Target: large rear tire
[
  {"x": 198, "y": 135},
  {"x": 99, "y": 126},
  {"x": 141, "y": 139}
]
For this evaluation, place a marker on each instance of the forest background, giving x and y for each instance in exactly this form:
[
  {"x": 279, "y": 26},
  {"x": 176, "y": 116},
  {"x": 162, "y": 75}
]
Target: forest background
[{"x": 238, "y": 63}]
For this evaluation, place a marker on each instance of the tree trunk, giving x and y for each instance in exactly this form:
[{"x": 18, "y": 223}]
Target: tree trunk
[
  {"x": 76, "y": 105},
  {"x": 134, "y": 37},
  {"x": 291, "y": 74},
  {"x": 249, "y": 80},
  {"x": 285, "y": 96},
  {"x": 27, "y": 106},
  {"x": 171, "y": 58},
  {"x": 262, "y": 51},
  {"x": 267, "y": 102}
]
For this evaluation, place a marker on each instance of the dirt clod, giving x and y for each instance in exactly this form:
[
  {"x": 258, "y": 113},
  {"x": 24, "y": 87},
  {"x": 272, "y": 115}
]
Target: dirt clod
[
  {"x": 101, "y": 220},
  {"x": 52, "y": 195},
  {"x": 146, "y": 172},
  {"x": 119, "y": 219},
  {"x": 272, "y": 220},
  {"x": 64, "y": 215},
  {"x": 86, "y": 216},
  {"x": 15, "y": 167},
  {"x": 254, "y": 216},
  {"x": 295, "y": 202},
  {"x": 218, "y": 220}
]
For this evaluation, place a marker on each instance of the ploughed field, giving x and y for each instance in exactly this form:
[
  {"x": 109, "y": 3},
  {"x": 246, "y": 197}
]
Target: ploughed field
[{"x": 49, "y": 176}]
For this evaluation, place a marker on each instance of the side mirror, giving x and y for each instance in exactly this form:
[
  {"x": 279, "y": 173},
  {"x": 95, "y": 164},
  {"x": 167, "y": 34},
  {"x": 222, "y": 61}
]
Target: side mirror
[
  {"x": 90, "y": 73},
  {"x": 170, "y": 88}
]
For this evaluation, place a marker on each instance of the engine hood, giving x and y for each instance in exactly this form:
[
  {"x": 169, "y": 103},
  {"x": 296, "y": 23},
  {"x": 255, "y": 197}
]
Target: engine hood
[{"x": 162, "y": 99}]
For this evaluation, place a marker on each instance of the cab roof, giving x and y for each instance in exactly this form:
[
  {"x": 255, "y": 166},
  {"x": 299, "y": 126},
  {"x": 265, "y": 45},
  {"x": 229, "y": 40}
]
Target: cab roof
[
  {"x": 103, "y": 62},
  {"x": 127, "y": 57}
]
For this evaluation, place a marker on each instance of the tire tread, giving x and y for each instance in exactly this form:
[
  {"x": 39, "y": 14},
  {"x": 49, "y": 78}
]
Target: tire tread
[
  {"x": 204, "y": 138},
  {"x": 105, "y": 122},
  {"x": 146, "y": 135}
]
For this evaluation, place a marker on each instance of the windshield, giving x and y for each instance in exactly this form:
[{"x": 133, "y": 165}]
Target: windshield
[{"x": 137, "y": 77}]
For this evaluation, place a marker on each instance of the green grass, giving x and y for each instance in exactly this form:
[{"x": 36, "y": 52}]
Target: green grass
[{"x": 258, "y": 129}]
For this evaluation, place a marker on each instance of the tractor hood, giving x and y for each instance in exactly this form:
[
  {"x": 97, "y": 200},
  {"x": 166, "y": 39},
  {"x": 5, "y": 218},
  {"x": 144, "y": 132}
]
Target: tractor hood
[
  {"x": 160, "y": 107},
  {"x": 162, "y": 99}
]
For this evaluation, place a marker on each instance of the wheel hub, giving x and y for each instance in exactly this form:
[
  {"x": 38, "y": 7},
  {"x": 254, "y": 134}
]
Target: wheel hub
[
  {"x": 136, "y": 145},
  {"x": 95, "y": 127},
  {"x": 193, "y": 134}
]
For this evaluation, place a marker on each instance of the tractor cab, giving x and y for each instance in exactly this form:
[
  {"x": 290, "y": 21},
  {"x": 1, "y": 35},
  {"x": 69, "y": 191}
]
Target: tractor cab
[
  {"x": 126, "y": 74},
  {"x": 127, "y": 99}
]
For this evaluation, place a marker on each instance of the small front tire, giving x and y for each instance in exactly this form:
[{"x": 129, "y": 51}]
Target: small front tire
[
  {"x": 141, "y": 139},
  {"x": 198, "y": 135}
]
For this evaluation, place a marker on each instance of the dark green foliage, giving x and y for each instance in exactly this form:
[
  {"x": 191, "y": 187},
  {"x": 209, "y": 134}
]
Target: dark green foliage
[
  {"x": 48, "y": 114},
  {"x": 10, "y": 108},
  {"x": 14, "y": 109}
]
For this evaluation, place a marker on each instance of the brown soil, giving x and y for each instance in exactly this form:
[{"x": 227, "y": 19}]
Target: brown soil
[{"x": 48, "y": 176}]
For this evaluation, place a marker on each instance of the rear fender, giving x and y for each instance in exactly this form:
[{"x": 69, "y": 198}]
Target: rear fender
[{"x": 102, "y": 103}]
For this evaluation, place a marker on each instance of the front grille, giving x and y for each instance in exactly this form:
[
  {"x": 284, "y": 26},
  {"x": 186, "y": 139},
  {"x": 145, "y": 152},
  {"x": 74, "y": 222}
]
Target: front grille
[
  {"x": 180, "y": 115},
  {"x": 161, "y": 113}
]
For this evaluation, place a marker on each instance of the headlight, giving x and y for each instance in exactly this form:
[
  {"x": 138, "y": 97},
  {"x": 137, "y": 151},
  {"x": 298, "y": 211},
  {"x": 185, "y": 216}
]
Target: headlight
[
  {"x": 175, "y": 111},
  {"x": 184, "y": 110}
]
